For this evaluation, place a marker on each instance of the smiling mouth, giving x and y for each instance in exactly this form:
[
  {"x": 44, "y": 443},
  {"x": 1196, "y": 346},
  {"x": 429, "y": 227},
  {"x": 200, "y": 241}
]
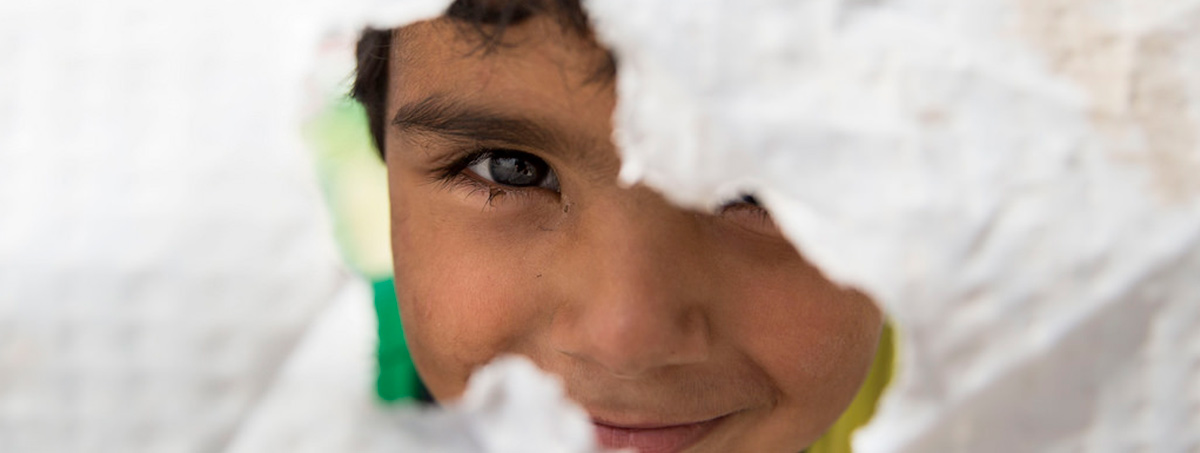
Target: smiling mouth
[{"x": 653, "y": 438}]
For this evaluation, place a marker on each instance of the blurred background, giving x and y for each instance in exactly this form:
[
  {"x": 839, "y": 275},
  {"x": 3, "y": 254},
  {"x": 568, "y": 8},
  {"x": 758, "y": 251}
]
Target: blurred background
[{"x": 193, "y": 232}]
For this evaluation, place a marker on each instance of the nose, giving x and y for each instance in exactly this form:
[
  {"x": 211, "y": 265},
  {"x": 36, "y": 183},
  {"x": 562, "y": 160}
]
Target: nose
[{"x": 641, "y": 289}]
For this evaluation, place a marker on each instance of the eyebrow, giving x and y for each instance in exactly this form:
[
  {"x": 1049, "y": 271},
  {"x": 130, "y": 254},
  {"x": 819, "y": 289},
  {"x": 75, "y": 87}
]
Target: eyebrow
[{"x": 442, "y": 116}]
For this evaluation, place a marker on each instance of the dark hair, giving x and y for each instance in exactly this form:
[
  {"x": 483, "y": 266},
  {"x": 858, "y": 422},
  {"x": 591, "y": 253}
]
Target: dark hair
[{"x": 487, "y": 19}]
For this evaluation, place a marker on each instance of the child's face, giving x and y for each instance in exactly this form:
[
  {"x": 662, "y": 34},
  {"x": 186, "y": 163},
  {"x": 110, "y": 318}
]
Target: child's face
[{"x": 709, "y": 328}]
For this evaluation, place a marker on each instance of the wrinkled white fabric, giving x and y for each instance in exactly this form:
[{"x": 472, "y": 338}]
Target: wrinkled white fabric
[
  {"x": 510, "y": 406},
  {"x": 1015, "y": 182},
  {"x": 163, "y": 244},
  {"x": 162, "y": 239}
]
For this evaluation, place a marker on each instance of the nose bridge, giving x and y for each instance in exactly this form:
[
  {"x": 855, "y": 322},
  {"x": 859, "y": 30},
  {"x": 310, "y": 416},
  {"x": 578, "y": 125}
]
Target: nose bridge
[{"x": 641, "y": 305}]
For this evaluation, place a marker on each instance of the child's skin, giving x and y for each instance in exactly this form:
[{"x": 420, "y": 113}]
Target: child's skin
[{"x": 654, "y": 316}]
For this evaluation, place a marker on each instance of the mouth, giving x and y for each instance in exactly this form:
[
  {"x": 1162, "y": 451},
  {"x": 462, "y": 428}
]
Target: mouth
[{"x": 653, "y": 438}]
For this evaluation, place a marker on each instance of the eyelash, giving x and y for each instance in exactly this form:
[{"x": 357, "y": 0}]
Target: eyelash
[
  {"x": 455, "y": 173},
  {"x": 449, "y": 172},
  {"x": 746, "y": 203}
]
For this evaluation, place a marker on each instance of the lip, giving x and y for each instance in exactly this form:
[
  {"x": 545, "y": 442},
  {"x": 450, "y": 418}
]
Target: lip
[{"x": 653, "y": 438}]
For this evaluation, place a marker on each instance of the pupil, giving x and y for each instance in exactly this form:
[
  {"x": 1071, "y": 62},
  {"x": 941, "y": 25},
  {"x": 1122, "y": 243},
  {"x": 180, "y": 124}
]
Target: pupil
[{"x": 515, "y": 170}]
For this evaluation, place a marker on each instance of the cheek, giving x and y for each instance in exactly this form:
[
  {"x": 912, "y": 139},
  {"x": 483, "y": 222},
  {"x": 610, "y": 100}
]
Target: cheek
[
  {"x": 464, "y": 293},
  {"x": 812, "y": 332},
  {"x": 796, "y": 323},
  {"x": 812, "y": 339}
]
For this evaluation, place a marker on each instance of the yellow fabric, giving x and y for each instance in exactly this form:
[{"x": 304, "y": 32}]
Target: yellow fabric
[{"x": 837, "y": 439}]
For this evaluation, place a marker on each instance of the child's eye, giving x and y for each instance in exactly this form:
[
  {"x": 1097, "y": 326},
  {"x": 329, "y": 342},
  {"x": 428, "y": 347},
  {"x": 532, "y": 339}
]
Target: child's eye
[
  {"x": 746, "y": 202},
  {"x": 514, "y": 169},
  {"x": 747, "y": 211},
  {"x": 749, "y": 200}
]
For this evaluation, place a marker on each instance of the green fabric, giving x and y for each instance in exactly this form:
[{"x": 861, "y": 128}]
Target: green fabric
[{"x": 398, "y": 380}]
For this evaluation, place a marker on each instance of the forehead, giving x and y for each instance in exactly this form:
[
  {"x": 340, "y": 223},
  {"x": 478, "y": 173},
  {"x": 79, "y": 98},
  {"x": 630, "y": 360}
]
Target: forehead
[{"x": 535, "y": 63}]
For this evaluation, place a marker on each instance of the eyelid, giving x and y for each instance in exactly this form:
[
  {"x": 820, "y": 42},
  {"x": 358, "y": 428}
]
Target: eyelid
[
  {"x": 743, "y": 201},
  {"x": 742, "y": 206},
  {"x": 461, "y": 168},
  {"x": 452, "y": 165},
  {"x": 748, "y": 213}
]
